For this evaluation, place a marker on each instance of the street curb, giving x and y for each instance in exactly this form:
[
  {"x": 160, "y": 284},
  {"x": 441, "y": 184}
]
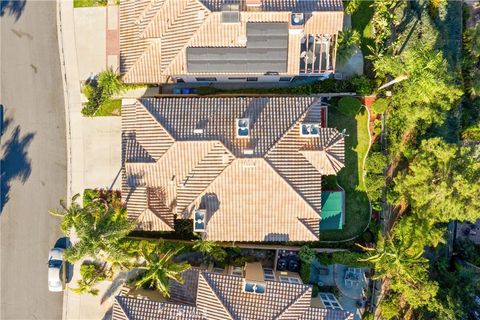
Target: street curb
[{"x": 67, "y": 126}]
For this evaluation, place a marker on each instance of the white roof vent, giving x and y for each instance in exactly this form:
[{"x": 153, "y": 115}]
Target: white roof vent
[
  {"x": 199, "y": 220},
  {"x": 310, "y": 130},
  {"x": 198, "y": 131},
  {"x": 242, "y": 127}
]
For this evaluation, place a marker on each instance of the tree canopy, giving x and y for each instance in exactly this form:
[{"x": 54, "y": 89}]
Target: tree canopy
[
  {"x": 100, "y": 226},
  {"x": 441, "y": 183}
]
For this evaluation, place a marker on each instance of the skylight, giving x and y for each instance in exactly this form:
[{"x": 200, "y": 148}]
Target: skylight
[
  {"x": 199, "y": 220},
  {"x": 254, "y": 287},
  {"x": 310, "y": 130},
  {"x": 243, "y": 128}
]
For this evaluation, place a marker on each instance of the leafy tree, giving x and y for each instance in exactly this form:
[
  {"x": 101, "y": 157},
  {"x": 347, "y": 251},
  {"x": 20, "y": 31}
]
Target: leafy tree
[
  {"x": 376, "y": 162},
  {"x": 424, "y": 97},
  {"x": 91, "y": 274},
  {"x": 210, "y": 248},
  {"x": 474, "y": 34},
  {"x": 100, "y": 227},
  {"x": 374, "y": 184},
  {"x": 348, "y": 41},
  {"x": 160, "y": 269},
  {"x": 440, "y": 181},
  {"x": 307, "y": 255}
]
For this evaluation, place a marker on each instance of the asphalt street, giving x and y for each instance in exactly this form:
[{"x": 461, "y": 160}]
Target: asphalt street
[{"x": 34, "y": 159}]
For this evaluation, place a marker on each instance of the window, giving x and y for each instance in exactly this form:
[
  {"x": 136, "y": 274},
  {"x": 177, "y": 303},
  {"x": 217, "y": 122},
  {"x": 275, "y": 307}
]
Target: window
[
  {"x": 206, "y": 79},
  {"x": 289, "y": 280},
  {"x": 237, "y": 271},
  {"x": 285, "y": 79},
  {"x": 252, "y": 79},
  {"x": 268, "y": 275},
  {"x": 237, "y": 78},
  {"x": 218, "y": 270},
  {"x": 330, "y": 301},
  {"x": 180, "y": 80}
]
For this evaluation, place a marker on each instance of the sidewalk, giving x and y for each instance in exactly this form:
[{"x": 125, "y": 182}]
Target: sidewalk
[{"x": 93, "y": 151}]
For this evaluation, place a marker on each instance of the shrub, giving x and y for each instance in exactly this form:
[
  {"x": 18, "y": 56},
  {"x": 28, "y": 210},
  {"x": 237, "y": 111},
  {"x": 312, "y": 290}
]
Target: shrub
[
  {"x": 380, "y": 106},
  {"x": 349, "y": 258},
  {"x": 362, "y": 85},
  {"x": 324, "y": 259},
  {"x": 374, "y": 184},
  {"x": 305, "y": 272},
  {"x": 472, "y": 133},
  {"x": 376, "y": 162},
  {"x": 352, "y": 6},
  {"x": 307, "y": 255},
  {"x": 349, "y": 106}
]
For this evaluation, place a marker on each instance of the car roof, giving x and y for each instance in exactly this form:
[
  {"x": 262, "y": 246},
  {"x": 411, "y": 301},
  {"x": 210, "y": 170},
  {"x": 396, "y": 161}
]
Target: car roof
[{"x": 56, "y": 254}]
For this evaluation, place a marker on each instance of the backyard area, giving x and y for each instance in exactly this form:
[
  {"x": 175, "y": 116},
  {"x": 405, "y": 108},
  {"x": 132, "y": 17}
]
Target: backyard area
[{"x": 350, "y": 178}]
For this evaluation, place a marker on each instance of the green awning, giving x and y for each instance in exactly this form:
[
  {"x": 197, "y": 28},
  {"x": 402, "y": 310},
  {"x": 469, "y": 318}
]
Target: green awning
[{"x": 332, "y": 210}]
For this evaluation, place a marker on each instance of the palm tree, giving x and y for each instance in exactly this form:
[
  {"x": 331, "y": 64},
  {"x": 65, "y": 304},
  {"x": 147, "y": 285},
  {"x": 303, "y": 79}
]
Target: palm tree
[
  {"x": 110, "y": 82},
  {"x": 348, "y": 41},
  {"x": 211, "y": 249},
  {"x": 160, "y": 269},
  {"x": 100, "y": 227},
  {"x": 396, "y": 259}
]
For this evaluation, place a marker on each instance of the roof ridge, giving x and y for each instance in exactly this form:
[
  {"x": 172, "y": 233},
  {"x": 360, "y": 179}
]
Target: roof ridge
[
  {"x": 222, "y": 303},
  {"x": 304, "y": 223},
  {"x": 293, "y": 302}
]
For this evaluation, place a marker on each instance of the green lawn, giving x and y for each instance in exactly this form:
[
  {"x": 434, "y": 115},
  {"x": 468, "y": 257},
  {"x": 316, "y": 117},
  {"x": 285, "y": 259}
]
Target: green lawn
[
  {"x": 110, "y": 108},
  {"x": 350, "y": 178},
  {"x": 89, "y": 3}
]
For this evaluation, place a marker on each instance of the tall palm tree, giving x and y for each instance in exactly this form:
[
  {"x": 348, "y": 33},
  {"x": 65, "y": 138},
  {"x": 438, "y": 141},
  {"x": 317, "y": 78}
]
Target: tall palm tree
[
  {"x": 396, "y": 258},
  {"x": 100, "y": 226},
  {"x": 160, "y": 269}
]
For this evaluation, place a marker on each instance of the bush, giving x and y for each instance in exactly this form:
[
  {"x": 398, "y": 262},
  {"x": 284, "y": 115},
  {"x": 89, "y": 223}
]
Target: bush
[
  {"x": 305, "y": 273},
  {"x": 307, "y": 255},
  {"x": 380, "y": 106},
  {"x": 362, "y": 85},
  {"x": 352, "y": 6},
  {"x": 472, "y": 133},
  {"x": 349, "y": 106},
  {"x": 324, "y": 259},
  {"x": 350, "y": 259},
  {"x": 108, "y": 84},
  {"x": 376, "y": 162},
  {"x": 374, "y": 184}
]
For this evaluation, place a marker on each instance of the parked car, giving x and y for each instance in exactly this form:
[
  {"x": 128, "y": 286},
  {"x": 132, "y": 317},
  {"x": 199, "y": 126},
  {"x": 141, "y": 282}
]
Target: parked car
[{"x": 56, "y": 270}]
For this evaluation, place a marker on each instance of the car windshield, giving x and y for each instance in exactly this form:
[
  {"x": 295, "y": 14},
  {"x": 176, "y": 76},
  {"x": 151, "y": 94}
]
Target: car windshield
[{"x": 54, "y": 263}]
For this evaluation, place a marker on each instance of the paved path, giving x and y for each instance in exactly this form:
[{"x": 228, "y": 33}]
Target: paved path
[{"x": 33, "y": 159}]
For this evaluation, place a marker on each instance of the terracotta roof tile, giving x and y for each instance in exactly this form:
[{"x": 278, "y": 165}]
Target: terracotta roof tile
[
  {"x": 154, "y": 35},
  {"x": 270, "y": 193}
]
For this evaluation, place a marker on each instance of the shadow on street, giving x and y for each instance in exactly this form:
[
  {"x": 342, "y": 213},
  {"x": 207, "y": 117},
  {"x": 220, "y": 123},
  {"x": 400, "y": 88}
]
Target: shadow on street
[
  {"x": 16, "y": 165},
  {"x": 12, "y": 8}
]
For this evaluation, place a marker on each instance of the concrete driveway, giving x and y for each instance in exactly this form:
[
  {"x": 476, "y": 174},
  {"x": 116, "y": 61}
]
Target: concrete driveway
[
  {"x": 90, "y": 40},
  {"x": 102, "y": 147}
]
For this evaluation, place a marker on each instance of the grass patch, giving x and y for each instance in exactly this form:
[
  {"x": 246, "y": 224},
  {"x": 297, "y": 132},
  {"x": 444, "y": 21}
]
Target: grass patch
[
  {"x": 89, "y": 3},
  {"x": 110, "y": 108},
  {"x": 350, "y": 178}
]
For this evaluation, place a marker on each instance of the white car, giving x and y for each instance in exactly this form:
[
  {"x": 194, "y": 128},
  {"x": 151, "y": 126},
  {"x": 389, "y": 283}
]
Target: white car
[{"x": 56, "y": 270}]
